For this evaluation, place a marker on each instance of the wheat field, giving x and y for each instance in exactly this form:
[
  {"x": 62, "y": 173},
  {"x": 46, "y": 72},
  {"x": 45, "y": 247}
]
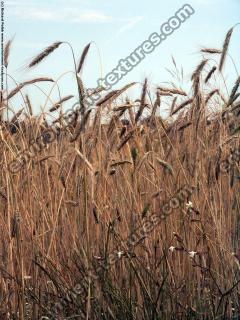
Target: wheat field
[{"x": 69, "y": 212}]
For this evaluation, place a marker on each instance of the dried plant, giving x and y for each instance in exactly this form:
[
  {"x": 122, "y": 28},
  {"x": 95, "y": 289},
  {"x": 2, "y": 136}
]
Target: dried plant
[
  {"x": 83, "y": 57},
  {"x": 225, "y": 49},
  {"x": 125, "y": 213},
  {"x": 44, "y": 54},
  {"x": 26, "y": 83},
  {"x": 58, "y": 104},
  {"x": 6, "y": 53}
]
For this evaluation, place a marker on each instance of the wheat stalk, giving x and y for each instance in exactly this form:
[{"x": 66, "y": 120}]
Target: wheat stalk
[
  {"x": 44, "y": 54},
  {"x": 26, "y": 83},
  {"x": 225, "y": 49},
  {"x": 83, "y": 57},
  {"x": 58, "y": 104}
]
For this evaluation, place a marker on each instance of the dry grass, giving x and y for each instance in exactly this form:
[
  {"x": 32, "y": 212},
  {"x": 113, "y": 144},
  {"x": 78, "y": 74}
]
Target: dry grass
[{"x": 79, "y": 200}]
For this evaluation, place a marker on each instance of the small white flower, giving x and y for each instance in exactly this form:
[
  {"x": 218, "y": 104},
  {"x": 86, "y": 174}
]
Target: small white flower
[
  {"x": 192, "y": 254},
  {"x": 120, "y": 253},
  {"x": 189, "y": 205},
  {"x": 171, "y": 248},
  {"x": 97, "y": 257}
]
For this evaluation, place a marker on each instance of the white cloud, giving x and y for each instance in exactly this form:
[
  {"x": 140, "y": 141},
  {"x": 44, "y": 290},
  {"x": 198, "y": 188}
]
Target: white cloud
[
  {"x": 57, "y": 14},
  {"x": 205, "y": 2},
  {"x": 129, "y": 25},
  {"x": 30, "y": 10},
  {"x": 88, "y": 16},
  {"x": 11, "y": 3}
]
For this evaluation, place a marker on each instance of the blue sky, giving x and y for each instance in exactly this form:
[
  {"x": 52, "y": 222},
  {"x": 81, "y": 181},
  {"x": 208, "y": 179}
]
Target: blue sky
[{"x": 116, "y": 28}]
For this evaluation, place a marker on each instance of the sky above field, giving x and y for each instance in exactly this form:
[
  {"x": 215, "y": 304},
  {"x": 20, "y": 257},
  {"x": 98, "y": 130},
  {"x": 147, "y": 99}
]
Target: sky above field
[{"x": 116, "y": 28}]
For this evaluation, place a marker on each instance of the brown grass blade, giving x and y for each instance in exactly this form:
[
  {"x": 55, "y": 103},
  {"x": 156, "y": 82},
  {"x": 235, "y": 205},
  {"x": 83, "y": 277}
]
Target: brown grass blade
[
  {"x": 17, "y": 115},
  {"x": 209, "y": 75},
  {"x": 81, "y": 126},
  {"x": 233, "y": 92},
  {"x": 58, "y": 104},
  {"x": 26, "y": 83},
  {"x": 211, "y": 50},
  {"x": 211, "y": 94},
  {"x": 182, "y": 105},
  {"x": 29, "y": 105},
  {"x": 6, "y": 53},
  {"x": 225, "y": 48},
  {"x": 83, "y": 57},
  {"x": 44, "y": 54},
  {"x": 198, "y": 70},
  {"x": 142, "y": 101},
  {"x": 113, "y": 95},
  {"x": 173, "y": 91}
]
